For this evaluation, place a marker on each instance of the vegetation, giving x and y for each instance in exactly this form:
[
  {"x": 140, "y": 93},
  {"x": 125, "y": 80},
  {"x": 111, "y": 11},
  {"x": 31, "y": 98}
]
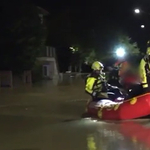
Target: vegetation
[{"x": 22, "y": 35}]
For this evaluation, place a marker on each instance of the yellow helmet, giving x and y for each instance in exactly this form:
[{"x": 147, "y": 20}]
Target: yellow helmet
[
  {"x": 97, "y": 65},
  {"x": 148, "y": 51},
  {"x": 148, "y": 43}
]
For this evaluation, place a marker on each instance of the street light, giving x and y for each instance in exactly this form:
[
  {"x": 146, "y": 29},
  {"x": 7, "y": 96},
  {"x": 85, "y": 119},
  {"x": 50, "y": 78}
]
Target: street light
[
  {"x": 120, "y": 52},
  {"x": 137, "y": 11},
  {"x": 142, "y": 26}
]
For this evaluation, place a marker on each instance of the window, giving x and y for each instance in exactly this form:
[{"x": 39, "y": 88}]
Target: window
[
  {"x": 45, "y": 70},
  {"x": 50, "y": 51},
  {"x": 41, "y": 17},
  {"x": 53, "y": 52},
  {"x": 47, "y": 51}
]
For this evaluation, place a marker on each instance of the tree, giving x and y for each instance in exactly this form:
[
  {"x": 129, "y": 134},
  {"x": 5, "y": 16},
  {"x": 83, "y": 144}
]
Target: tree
[
  {"x": 133, "y": 53},
  {"x": 96, "y": 40},
  {"x": 22, "y": 35},
  {"x": 90, "y": 56},
  {"x": 82, "y": 55},
  {"x": 130, "y": 47},
  {"x": 119, "y": 40}
]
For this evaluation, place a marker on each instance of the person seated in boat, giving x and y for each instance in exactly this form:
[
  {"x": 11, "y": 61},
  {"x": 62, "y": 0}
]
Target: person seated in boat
[
  {"x": 95, "y": 84},
  {"x": 145, "y": 70},
  {"x": 124, "y": 71}
]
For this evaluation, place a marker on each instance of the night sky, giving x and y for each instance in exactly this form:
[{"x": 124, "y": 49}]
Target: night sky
[{"x": 96, "y": 14}]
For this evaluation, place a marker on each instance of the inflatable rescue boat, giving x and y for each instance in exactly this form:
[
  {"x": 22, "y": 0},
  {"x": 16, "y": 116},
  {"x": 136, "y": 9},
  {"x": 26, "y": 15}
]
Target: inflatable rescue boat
[{"x": 133, "y": 108}]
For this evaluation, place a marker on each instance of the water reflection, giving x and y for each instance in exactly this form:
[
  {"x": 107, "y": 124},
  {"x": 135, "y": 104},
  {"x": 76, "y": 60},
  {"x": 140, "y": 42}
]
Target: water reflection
[
  {"x": 137, "y": 133},
  {"x": 105, "y": 139},
  {"x": 122, "y": 136},
  {"x": 91, "y": 143},
  {"x": 21, "y": 132}
]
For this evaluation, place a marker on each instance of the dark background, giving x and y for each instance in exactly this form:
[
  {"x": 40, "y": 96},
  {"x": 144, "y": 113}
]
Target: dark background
[{"x": 98, "y": 18}]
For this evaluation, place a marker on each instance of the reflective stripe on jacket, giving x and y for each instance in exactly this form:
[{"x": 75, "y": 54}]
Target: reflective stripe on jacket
[{"x": 93, "y": 84}]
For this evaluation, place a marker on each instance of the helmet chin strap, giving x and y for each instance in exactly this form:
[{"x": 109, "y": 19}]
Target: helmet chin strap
[
  {"x": 101, "y": 71},
  {"x": 98, "y": 71}
]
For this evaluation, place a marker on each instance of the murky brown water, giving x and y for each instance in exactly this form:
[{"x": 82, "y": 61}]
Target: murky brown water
[{"x": 48, "y": 118}]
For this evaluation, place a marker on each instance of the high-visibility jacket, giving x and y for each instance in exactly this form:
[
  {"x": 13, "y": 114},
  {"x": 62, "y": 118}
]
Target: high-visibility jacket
[
  {"x": 94, "y": 84},
  {"x": 144, "y": 70}
]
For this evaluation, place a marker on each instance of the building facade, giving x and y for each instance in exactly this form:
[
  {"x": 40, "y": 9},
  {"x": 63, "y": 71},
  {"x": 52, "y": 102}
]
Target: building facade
[
  {"x": 48, "y": 56},
  {"x": 49, "y": 63}
]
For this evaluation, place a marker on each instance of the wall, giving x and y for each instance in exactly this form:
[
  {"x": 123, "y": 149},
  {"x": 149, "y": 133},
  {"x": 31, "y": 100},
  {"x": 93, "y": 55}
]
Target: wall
[{"x": 7, "y": 79}]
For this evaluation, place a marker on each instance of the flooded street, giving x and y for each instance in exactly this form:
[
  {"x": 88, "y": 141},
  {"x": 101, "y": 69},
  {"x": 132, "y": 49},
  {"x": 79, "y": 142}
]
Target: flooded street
[{"x": 49, "y": 118}]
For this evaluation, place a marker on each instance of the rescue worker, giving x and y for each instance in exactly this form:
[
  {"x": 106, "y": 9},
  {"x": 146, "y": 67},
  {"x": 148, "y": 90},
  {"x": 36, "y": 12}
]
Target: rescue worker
[
  {"x": 145, "y": 70},
  {"x": 95, "y": 84},
  {"x": 122, "y": 66},
  {"x": 117, "y": 64},
  {"x": 121, "y": 69}
]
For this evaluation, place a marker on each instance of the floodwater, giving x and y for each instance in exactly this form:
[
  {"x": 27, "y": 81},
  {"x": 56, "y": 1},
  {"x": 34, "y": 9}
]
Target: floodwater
[{"x": 47, "y": 117}]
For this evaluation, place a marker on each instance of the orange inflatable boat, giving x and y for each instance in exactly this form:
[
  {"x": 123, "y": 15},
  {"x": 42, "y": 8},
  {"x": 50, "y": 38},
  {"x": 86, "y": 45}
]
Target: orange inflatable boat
[{"x": 136, "y": 107}]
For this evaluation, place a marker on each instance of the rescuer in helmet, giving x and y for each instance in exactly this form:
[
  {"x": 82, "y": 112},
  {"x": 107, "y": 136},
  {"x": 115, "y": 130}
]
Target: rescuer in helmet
[{"x": 95, "y": 84}]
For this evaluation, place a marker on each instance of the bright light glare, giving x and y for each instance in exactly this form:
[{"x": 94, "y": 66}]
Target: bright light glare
[
  {"x": 120, "y": 52},
  {"x": 94, "y": 120},
  {"x": 87, "y": 118},
  {"x": 142, "y": 26},
  {"x": 71, "y": 47},
  {"x": 137, "y": 11}
]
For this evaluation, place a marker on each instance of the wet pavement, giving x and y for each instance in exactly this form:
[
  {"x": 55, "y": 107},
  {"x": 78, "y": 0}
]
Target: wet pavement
[{"x": 49, "y": 118}]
